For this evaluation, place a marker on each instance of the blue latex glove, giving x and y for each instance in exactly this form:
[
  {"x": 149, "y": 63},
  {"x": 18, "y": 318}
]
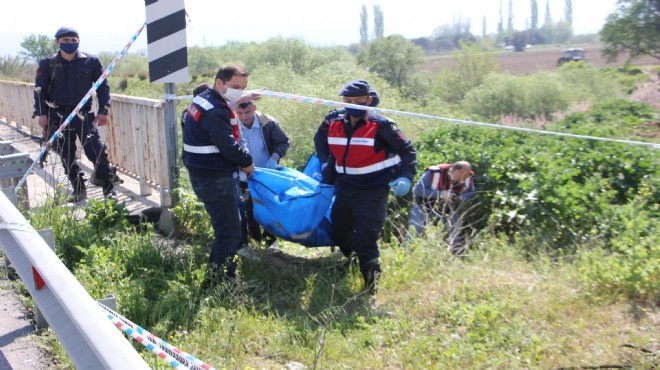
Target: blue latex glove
[
  {"x": 271, "y": 163},
  {"x": 400, "y": 186}
]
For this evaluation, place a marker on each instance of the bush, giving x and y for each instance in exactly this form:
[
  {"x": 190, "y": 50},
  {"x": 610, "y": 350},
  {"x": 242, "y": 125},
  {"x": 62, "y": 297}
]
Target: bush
[
  {"x": 522, "y": 96},
  {"x": 559, "y": 191},
  {"x": 541, "y": 94}
]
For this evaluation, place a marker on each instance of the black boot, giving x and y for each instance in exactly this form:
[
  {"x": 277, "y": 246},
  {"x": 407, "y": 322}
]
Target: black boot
[
  {"x": 98, "y": 182},
  {"x": 79, "y": 189},
  {"x": 371, "y": 273},
  {"x": 108, "y": 186}
]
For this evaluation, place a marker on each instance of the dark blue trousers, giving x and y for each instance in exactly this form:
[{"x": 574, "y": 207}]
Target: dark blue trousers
[
  {"x": 357, "y": 220},
  {"x": 221, "y": 197},
  {"x": 89, "y": 137}
]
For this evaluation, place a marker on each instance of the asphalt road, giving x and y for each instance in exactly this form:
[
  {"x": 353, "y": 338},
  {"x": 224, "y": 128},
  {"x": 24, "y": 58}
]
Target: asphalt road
[{"x": 19, "y": 342}]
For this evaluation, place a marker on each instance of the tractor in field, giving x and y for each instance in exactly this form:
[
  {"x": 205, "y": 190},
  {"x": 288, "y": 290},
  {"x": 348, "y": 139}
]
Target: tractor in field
[{"x": 571, "y": 55}]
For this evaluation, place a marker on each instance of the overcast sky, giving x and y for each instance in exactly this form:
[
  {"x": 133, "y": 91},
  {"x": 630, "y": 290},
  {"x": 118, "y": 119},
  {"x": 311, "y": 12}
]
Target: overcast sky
[{"x": 108, "y": 26}]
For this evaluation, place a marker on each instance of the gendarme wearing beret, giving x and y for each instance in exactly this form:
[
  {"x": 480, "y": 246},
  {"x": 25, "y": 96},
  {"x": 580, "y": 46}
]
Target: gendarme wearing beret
[
  {"x": 66, "y": 32},
  {"x": 355, "y": 88}
]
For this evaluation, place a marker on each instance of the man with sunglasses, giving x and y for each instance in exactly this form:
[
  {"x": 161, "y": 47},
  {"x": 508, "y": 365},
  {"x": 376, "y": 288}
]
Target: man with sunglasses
[{"x": 439, "y": 195}]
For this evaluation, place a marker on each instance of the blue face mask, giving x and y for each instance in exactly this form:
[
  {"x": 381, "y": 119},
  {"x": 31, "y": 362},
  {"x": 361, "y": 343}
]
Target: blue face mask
[
  {"x": 69, "y": 47},
  {"x": 354, "y": 112}
]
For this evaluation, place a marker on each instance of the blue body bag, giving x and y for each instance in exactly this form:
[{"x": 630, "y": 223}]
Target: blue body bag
[{"x": 292, "y": 205}]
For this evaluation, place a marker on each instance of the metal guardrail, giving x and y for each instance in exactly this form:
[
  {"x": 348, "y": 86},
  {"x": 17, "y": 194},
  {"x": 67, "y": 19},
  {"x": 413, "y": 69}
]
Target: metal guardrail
[
  {"x": 135, "y": 135},
  {"x": 13, "y": 165},
  {"x": 89, "y": 338}
]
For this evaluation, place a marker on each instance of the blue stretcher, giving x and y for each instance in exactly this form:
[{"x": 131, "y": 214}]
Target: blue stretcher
[{"x": 292, "y": 205}]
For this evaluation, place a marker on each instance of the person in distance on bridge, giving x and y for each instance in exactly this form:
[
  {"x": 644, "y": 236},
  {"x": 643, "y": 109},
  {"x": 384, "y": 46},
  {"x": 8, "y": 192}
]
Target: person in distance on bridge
[{"x": 62, "y": 80}]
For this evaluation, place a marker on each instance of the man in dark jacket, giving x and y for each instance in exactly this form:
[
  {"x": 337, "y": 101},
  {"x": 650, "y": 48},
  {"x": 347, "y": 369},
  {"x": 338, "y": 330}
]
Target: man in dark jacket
[
  {"x": 213, "y": 156},
  {"x": 267, "y": 144},
  {"x": 61, "y": 82},
  {"x": 369, "y": 156},
  {"x": 196, "y": 91}
]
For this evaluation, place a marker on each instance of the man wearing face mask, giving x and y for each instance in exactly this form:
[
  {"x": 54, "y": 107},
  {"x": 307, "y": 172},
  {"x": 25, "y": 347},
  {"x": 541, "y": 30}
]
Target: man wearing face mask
[
  {"x": 369, "y": 156},
  {"x": 321, "y": 137},
  {"x": 213, "y": 155},
  {"x": 62, "y": 80}
]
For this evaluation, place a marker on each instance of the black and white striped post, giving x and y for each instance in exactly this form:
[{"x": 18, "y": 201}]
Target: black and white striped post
[{"x": 168, "y": 63}]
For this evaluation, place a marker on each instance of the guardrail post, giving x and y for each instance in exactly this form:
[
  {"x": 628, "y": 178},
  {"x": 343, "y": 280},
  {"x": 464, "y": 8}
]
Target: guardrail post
[
  {"x": 10, "y": 193},
  {"x": 109, "y": 301},
  {"x": 49, "y": 237}
]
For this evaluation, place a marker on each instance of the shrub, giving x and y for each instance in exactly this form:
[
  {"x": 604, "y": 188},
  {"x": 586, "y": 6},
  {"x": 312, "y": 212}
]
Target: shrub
[
  {"x": 560, "y": 191},
  {"x": 523, "y": 96}
]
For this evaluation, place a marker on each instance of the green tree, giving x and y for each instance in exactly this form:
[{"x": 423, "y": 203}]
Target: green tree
[
  {"x": 483, "y": 27},
  {"x": 535, "y": 14},
  {"x": 364, "y": 33},
  {"x": 393, "y": 58},
  {"x": 568, "y": 12},
  {"x": 472, "y": 66},
  {"x": 633, "y": 28},
  {"x": 500, "y": 23},
  {"x": 562, "y": 32},
  {"x": 37, "y": 47},
  {"x": 379, "y": 22},
  {"x": 548, "y": 16},
  {"x": 519, "y": 40},
  {"x": 509, "y": 22}
]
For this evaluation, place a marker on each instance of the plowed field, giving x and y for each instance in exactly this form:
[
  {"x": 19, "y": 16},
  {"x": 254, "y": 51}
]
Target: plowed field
[{"x": 535, "y": 60}]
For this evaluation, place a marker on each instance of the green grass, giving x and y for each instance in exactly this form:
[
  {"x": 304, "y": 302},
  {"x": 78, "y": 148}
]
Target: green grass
[{"x": 493, "y": 309}]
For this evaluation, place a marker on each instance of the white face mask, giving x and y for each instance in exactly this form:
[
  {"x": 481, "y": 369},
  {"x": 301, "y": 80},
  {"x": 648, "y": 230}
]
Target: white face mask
[{"x": 233, "y": 94}]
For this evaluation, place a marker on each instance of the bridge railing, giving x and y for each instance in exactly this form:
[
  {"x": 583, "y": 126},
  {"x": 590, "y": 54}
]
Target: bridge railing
[{"x": 135, "y": 136}]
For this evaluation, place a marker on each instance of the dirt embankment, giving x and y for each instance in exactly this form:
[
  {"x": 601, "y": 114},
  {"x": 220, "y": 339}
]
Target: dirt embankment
[{"x": 536, "y": 60}]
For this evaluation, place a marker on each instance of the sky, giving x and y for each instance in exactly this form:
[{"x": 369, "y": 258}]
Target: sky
[{"x": 108, "y": 26}]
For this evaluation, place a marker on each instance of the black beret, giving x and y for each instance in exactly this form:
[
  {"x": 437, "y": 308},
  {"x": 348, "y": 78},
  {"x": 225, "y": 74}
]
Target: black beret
[
  {"x": 66, "y": 32},
  {"x": 355, "y": 88},
  {"x": 375, "y": 99}
]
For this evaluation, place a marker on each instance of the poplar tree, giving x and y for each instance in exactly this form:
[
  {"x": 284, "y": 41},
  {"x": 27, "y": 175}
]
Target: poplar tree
[
  {"x": 379, "y": 27},
  {"x": 364, "y": 32}
]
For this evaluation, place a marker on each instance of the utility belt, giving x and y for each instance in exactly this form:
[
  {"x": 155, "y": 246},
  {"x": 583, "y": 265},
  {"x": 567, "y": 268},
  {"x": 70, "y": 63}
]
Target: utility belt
[{"x": 60, "y": 113}]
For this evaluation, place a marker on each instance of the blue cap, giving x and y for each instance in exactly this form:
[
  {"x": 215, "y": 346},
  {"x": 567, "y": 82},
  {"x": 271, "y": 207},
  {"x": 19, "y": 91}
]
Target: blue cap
[
  {"x": 66, "y": 32},
  {"x": 355, "y": 88},
  {"x": 375, "y": 99}
]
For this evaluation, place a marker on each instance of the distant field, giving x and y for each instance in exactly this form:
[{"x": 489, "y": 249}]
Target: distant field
[{"x": 534, "y": 60}]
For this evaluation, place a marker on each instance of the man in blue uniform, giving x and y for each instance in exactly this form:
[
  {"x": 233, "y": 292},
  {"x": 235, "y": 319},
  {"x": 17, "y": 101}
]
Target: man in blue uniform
[
  {"x": 213, "y": 156},
  {"x": 369, "y": 156},
  {"x": 62, "y": 80}
]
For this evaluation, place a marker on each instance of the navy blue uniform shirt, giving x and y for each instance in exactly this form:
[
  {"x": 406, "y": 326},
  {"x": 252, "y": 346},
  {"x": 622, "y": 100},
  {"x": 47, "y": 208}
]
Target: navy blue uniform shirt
[{"x": 65, "y": 83}]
